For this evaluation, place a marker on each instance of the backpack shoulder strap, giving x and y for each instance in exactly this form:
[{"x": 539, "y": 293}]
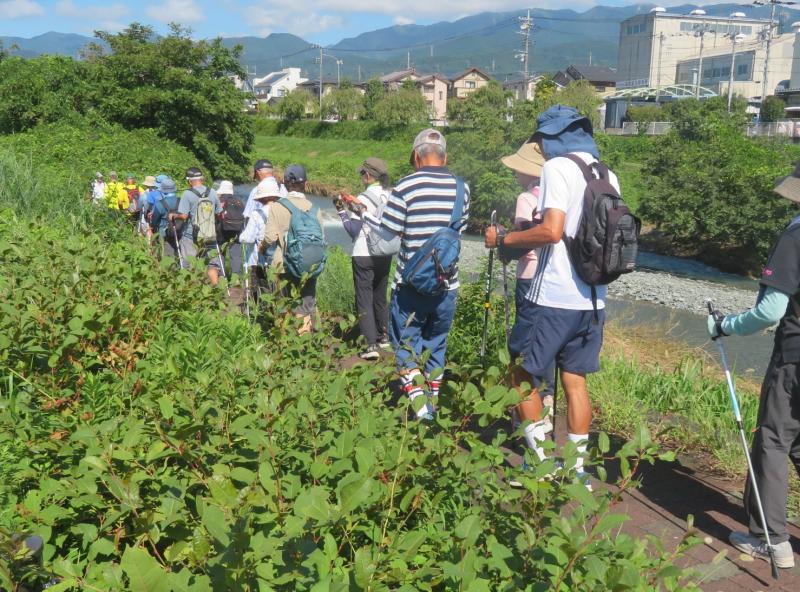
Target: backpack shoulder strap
[
  {"x": 293, "y": 209},
  {"x": 458, "y": 206},
  {"x": 207, "y": 193},
  {"x": 261, "y": 213},
  {"x": 374, "y": 199},
  {"x": 585, "y": 168}
]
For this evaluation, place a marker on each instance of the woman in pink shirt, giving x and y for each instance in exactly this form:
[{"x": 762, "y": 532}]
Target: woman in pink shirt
[{"x": 527, "y": 165}]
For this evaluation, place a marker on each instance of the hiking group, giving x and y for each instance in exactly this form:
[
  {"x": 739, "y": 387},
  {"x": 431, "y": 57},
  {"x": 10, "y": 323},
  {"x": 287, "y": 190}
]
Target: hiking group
[{"x": 572, "y": 235}]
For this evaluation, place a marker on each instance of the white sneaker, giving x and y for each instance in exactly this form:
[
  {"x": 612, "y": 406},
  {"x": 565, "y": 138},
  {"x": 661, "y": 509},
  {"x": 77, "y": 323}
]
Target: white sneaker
[
  {"x": 371, "y": 353},
  {"x": 755, "y": 547}
]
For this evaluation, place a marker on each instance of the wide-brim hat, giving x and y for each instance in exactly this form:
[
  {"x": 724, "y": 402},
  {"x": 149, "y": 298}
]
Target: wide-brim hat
[
  {"x": 528, "y": 160},
  {"x": 560, "y": 117},
  {"x": 789, "y": 186}
]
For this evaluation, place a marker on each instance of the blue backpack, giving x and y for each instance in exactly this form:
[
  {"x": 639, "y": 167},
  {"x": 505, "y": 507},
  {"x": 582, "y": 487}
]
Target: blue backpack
[
  {"x": 435, "y": 264},
  {"x": 305, "y": 243}
]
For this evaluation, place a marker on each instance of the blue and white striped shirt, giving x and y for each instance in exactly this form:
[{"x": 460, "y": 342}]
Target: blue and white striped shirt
[{"x": 421, "y": 204}]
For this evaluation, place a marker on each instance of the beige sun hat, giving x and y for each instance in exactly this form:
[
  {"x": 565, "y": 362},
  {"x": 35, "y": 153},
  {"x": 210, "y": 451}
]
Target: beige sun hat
[
  {"x": 267, "y": 190},
  {"x": 150, "y": 181},
  {"x": 528, "y": 160},
  {"x": 789, "y": 186}
]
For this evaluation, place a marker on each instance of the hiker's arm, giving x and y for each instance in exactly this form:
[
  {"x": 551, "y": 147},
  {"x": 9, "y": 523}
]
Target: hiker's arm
[
  {"x": 549, "y": 232},
  {"x": 769, "y": 309}
]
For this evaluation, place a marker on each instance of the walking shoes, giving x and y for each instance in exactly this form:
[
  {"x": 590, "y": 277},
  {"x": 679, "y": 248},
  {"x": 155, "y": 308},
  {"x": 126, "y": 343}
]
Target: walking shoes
[{"x": 755, "y": 547}]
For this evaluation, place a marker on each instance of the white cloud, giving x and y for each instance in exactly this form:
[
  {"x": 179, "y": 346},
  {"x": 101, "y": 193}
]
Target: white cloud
[
  {"x": 108, "y": 17},
  {"x": 15, "y": 9},
  {"x": 298, "y": 21},
  {"x": 403, "y": 20},
  {"x": 178, "y": 11}
]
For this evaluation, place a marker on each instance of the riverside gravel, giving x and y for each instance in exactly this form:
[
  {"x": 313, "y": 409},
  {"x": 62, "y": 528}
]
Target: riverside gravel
[{"x": 657, "y": 287}]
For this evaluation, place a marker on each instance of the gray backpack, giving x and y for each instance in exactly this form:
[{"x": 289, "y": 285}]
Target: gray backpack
[{"x": 380, "y": 242}]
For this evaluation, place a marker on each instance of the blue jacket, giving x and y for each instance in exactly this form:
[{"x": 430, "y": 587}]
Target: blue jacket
[{"x": 160, "y": 210}]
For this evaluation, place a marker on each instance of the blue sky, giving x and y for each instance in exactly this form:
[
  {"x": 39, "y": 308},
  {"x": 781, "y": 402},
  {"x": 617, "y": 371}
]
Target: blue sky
[{"x": 321, "y": 21}]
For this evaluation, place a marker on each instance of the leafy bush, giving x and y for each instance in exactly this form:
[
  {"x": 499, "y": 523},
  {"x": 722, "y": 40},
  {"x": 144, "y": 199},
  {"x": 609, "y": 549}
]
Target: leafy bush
[
  {"x": 400, "y": 108},
  {"x": 773, "y": 109},
  {"x": 71, "y": 152},
  {"x": 293, "y": 107},
  {"x": 173, "y": 84},
  {"x": 711, "y": 187},
  {"x": 156, "y": 444}
]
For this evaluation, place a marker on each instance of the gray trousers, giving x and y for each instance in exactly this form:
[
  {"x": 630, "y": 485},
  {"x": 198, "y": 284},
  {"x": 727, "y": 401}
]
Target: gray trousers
[
  {"x": 777, "y": 437},
  {"x": 370, "y": 278}
]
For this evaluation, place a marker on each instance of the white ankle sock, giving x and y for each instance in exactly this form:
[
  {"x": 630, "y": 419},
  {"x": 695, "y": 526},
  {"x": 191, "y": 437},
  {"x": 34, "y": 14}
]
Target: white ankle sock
[
  {"x": 413, "y": 390},
  {"x": 535, "y": 433},
  {"x": 581, "y": 442}
]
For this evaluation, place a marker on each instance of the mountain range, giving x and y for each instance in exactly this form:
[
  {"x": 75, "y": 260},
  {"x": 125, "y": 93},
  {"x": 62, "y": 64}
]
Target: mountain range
[{"x": 488, "y": 40}]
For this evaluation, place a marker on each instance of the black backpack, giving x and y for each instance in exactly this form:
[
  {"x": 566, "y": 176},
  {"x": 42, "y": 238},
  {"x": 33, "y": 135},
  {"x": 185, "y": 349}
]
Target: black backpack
[
  {"x": 232, "y": 214},
  {"x": 607, "y": 240}
]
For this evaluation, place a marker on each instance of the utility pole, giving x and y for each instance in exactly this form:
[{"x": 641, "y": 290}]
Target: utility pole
[
  {"x": 590, "y": 57},
  {"x": 408, "y": 60},
  {"x": 771, "y": 25},
  {"x": 526, "y": 27},
  {"x": 734, "y": 40},
  {"x": 338, "y": 75},
  {"x": 359, "y": 72},
  {"x": 661, "y": 37},
  {"x": 704, "y": 28}
]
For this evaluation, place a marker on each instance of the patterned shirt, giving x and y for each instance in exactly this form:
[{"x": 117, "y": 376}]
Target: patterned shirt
[{"x": 421, "y": 204}]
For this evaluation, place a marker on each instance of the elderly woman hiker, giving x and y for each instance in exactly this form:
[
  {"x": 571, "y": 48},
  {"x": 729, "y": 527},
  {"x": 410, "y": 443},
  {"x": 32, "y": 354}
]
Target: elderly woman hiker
[{"x": 370, "y": 267}]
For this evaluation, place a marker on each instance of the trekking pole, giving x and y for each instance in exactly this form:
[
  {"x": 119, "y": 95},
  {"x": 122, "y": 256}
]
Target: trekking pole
[
  {"x": 738, "y": 415},
  {"x": 177, "y": 246},
  {"x": 247, "y": 293},
  {"x": 487, "y": 301},
  {"x": 505, "y": 300},
  {"x": 222, "y": 267}
]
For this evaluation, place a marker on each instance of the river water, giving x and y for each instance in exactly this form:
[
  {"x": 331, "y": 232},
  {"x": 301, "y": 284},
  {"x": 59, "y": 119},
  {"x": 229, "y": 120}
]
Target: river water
[{"x": 683, "y": 283}]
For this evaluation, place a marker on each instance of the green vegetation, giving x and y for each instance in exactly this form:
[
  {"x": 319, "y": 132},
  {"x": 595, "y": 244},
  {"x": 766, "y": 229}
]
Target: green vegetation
[
  {"x": 711, "y": 187},
  {"x": 172, "y": 84},
  {"x": 157, "y": 444},
  {"x": 71, "y": 152},
  {"x": 773, "y": 109}
]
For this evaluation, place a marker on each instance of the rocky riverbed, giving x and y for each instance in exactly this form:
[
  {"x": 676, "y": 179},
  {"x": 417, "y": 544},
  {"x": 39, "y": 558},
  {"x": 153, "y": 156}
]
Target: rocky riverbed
[{"x": 660, "y": 288}]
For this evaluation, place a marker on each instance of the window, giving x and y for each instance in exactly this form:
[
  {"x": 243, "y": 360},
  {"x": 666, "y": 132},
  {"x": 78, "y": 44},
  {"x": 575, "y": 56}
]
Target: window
[
  {"x": 742, "y": 69},
  {"x": 726, "y": 71},
  {"x": 441, "y": 96},
  {"x": 636, "y": 29},
  {"x": 469, "y": 84}
]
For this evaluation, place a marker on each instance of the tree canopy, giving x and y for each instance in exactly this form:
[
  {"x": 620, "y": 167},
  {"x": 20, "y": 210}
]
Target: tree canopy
[{"x": 173, "y": 84}]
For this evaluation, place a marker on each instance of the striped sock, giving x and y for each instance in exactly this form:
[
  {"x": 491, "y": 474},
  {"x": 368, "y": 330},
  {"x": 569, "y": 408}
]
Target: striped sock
[{"x": 412, "y": 390}]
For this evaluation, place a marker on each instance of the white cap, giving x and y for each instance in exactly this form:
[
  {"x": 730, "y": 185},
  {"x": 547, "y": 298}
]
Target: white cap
[
  {"x": 225, "y": 188},
  {"x": 428, "y": 136}
]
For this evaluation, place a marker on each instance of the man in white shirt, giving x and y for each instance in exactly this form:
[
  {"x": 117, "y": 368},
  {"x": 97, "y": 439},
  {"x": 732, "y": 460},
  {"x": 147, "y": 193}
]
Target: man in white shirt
[
  {"x": 565, "y": 326},
  {"x": 254, "y": 232},
  {"x": 263, "y": 171}
]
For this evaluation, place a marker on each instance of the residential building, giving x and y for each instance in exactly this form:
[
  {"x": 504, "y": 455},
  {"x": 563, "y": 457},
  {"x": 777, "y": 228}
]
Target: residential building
[
  {"x": 467, "y": 82},
  {"x": 312, "y": 86},
  {"x": 603, "y": 78},
  {"x": 652, "y": 44},
  {"x": 521, "y": 91},
  {"x": 395, "y": 80},
  {"x": 277, "y": 84},
  {"x": 434, "y": 88},
  {"x": 748, "y": 67}
]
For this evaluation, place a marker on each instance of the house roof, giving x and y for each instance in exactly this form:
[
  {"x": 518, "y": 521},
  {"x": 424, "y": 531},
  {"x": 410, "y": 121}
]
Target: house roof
[
  {"x": 272, "y": 78},
  {"x": 461, "y": 75},
  {"x": 430, "y": 77},
  {"x": 593, "y": 73},
  {"x": 400, "y": 75},
  {"x": 315, "y": 82}
]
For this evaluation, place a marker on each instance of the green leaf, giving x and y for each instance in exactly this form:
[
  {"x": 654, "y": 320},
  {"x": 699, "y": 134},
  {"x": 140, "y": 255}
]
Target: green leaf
[
  {"x": 144, "y": 573},
  {"x": 603, "y": 442},
  {"x": 610, "y": 522},
  {"x": 469, "y": 529},
  {"x": 313, "y": 503},
  {"x": 353, "y": 490},
  {"x": 214, "y": 521}
]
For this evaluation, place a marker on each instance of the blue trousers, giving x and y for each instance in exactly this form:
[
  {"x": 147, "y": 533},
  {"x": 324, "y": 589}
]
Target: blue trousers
[{"x": 420, "y": 324}]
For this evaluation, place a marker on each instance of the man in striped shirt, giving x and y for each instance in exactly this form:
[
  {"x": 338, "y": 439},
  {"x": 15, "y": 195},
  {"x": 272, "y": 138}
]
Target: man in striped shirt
[{"x": 421, "y": 204}]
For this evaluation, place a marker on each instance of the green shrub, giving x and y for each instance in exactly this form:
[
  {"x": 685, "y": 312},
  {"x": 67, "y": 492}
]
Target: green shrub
[
  {"x": 773, "y": 109},
  {"x": 71, "y": 152}
]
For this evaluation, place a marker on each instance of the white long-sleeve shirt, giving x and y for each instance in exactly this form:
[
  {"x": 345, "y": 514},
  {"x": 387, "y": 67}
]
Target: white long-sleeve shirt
[{"x": 253, "y": 234}]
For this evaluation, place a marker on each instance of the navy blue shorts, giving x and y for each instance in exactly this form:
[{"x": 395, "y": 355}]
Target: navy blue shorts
[
  {"x": 570, "y": 338},
  {"x": 520, "y": 336}
]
